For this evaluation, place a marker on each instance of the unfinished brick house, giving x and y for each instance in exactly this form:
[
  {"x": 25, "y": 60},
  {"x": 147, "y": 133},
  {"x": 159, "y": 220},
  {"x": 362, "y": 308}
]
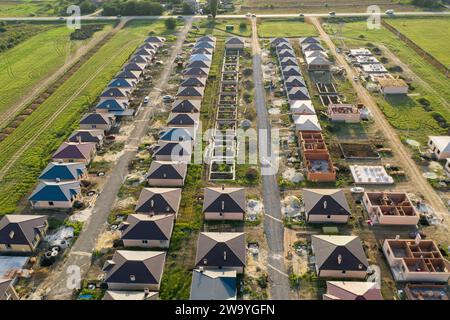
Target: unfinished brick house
[
  {"x": 316, "y": 157},
  {"x": 394, "y": 208},
  {"x": 416, "y": 260}
]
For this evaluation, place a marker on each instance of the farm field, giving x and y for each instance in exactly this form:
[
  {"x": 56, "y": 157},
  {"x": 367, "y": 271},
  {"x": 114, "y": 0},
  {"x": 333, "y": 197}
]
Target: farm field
[
  {"x": 431, "y": 34},
  {"x": 77, "y": 94},
  {"x": 25, "y": 8},
  {"x": 285, "y": 28},
  {"x": 308, "y": 6},
  {"x": 218, "y": 28},
  {"x": 35, "y": 59},
  {"x": 407, "y": 115}
]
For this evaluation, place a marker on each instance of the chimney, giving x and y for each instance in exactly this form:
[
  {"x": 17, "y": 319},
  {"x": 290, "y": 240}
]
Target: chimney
[
  {"x": 58, "y": 180},
  {"x": 339, "y": 258}
]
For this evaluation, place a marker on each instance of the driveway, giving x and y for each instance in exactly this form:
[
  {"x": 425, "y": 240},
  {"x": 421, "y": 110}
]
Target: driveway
[
  {"x": 273, "y": 225},
  {"x": 56, "y": 287}
]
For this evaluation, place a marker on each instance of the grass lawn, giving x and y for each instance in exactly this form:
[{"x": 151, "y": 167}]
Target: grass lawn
[
  {"x": 285, "y": 28},
  {"x": 95, "y": 73},
  {"x": 218, "y": 28},
  {"x": 33, "y": 60},
  {"x": 431, "y": 34},
  {"x": 25, "y": 8},
  {"x": 405, "y": 114}
]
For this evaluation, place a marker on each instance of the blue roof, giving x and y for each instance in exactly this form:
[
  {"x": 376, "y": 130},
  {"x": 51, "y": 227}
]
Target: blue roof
[
  {"x": 213, "y": 285},
  {"x": 54, "y": 192},
  {"x": 120, "y": 83},
  {"x": 176, "y": 134},
  {"x": 110, "y": 105},
  {"x": 58, "y": 172}
]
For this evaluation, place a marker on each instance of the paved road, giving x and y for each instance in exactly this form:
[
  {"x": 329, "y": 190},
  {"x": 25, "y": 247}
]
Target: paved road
[
  {"x": 80, "y": 254},
  {"x": 413, "y": 172},
  {"x": 231, "y": 16},
  {"x": 273, "y": 226}
]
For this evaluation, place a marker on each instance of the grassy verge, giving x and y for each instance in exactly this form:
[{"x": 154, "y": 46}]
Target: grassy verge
[{"x": 21, "y": 177}]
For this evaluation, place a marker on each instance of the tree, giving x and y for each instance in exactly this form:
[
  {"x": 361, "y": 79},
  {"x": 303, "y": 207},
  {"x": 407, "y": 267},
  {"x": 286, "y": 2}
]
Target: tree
[
  {"x": 87, "y": 7},
  {"x": 213, "y": 4},
  {"x": 170, "y": 23},
  {"x": 187, "y": 8}
]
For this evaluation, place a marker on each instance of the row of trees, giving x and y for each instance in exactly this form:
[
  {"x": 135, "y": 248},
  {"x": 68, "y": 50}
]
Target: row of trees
[
  {"x": 132, "y": 8},
  {"x": 426, "y": 3}
]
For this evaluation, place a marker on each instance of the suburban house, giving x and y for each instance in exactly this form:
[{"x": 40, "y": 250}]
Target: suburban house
[
  {"x": 391, "y": 208},
  {"x": 177, "y": 134},
  {"x": 392, "y": 86},
  {"x": 224, "y": 203},
  {"x": 200, "y": 57},
  {"x": 294, "y": 82},
  {"x": 298, "y": 93},
  {"x": 339, "y": 256},
  {"x": 193, "y": 82},
  {"x": 352, "y": 290},
  {"x": 186, "y": 106},
  {"x": 416, "y": 260},
  {"x": 326, "y": 205},
  {"x": 134, "y": 66},
  {"x": 146, "y": 53},
  {"x": 191, "y": 93},
  {"x": 195, "y": 72},
  {"x": 291, "y": 71},
  {"x": 312, "y": 47},
  {"x": 440, "y": 146},
  {"x": 128, "y": 74},
  {"x": 134, "y": 270},
  {"x": 155, "y": 201},
  {"x": 282, "y": 46},
  {"x": 207, "y": 38},
  {"x": 158, "y": 41},
  {"x": 318, "y": 62},
  {"x": 167, "y": 174},
  {"x": 126, "y": 84},
  {"x": 204, "y": 45},
  {"x": 7, "y": 291},
  {"x": 234, "y": 43},
  {"x": 173, "y": 151},
  {"x": 202, "y": 51},
  {"x": 302, "y": 107},
  {"x": 112, "y": 106},
  {"x": 58, "y": 195},
  {"x": 213, "y": 285},
  {"x": 75, "y": 152},
  {"x": 21, "y": 232},
  {"x": 285, "y": 53},
  {"x": 347, "y": 113},
  {"x": 130, "y": 295},
  {"x": 56, "y": 171},
  {"x": 181, "y": 120},
  {"x": 276, "y": 41},
  {"x": 223, "y": 250},
  {"x": 199, "y": 64},
  {"x": 116, "y": 93},
  {"x": 139, "y": 59},
  {"x": 95, "y": 136},
  {"x": 308, "y": 40},
  {"x": 145, "y": 231},
  {"x": 307, "y": 123},
  {"x": 103, "y": 121}
]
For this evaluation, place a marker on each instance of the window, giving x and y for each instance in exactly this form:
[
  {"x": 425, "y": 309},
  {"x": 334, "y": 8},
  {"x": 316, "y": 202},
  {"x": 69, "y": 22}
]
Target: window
[
  {"x": 132, "y": 277},
  {"x": 50, "y": 203},
  {"x": 328, "y": 216},
  {"x": 144, "y": 241},
  {"x": 94, "y": 126},
  {"x": 8, "y": 246},
  {"x": 344, "y": 271}
]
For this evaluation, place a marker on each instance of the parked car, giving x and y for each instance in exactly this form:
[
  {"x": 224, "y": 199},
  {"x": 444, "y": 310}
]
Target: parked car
[
  {"x": 389, "y": 11},
  {"x": 301, "y": 15},
  {"x": 413, "y": 234},
  {"x": 167, "y": 99},
  {"x": 210, "y": 16},
  {"x": 248, "y": 14},
  {"x": 254, "y": 15},
  {"x": 180, "y": 17},
  {"x": 146, "y": 99},
  {"x": 332, "y": 13},
  {"x": 357, "y": 190}
]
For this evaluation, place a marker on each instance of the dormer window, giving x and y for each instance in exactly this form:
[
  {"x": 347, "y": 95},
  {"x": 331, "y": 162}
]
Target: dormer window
[
  {"x": 11, "y": 235},
  {"x": 132, "y": 277},
  {"x": 205, "y": 261}
]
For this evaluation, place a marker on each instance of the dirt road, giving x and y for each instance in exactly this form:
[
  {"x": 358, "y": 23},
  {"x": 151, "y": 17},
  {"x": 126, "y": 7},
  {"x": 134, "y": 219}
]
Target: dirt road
[{"x": 413, "y": 172}]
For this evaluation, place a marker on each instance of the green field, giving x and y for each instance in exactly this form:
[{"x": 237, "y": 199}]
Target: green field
[
  {"x": 33, "y": 60},
  {"x": 95, "y": 74},
  {"x": 218, "y": 28},
  {"x": 25, "y": 8},
  {"x": 405, "y": 114},
  {"x": 285, "y": 28},
  {"x": 431, "y": 34}
]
